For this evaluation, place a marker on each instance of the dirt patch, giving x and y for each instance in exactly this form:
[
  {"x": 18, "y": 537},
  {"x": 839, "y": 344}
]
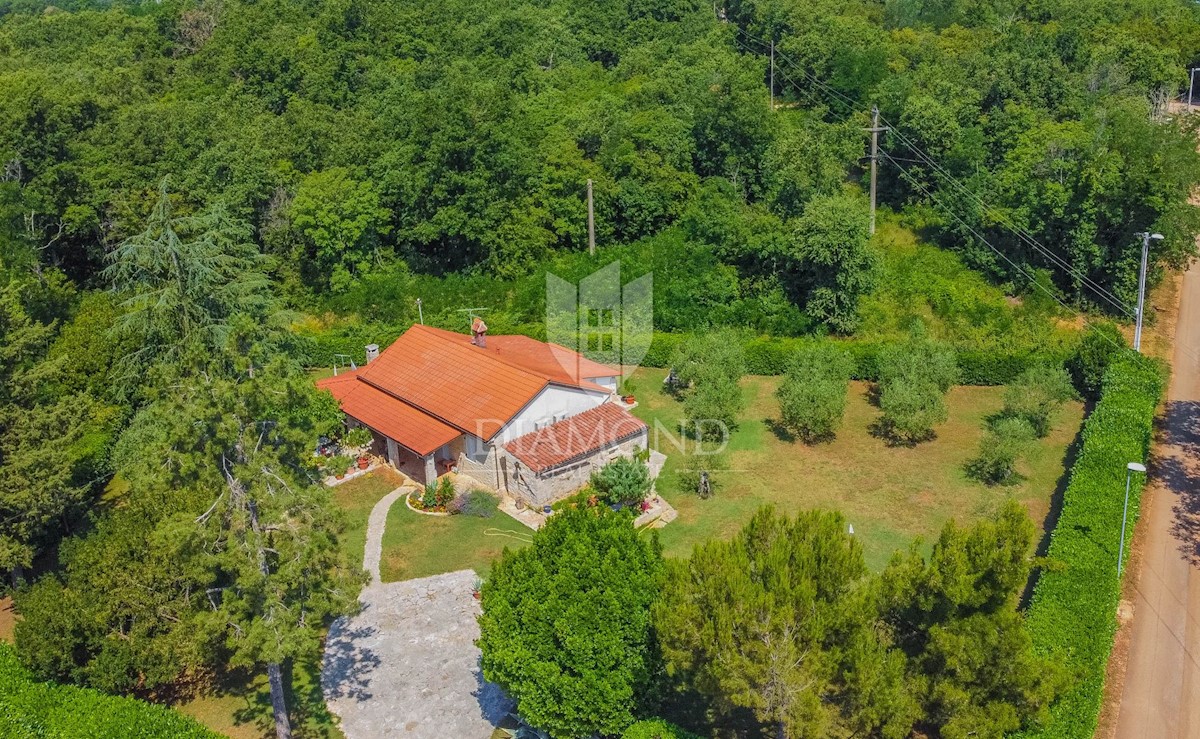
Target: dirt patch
[{"x": 8, "y": 619}]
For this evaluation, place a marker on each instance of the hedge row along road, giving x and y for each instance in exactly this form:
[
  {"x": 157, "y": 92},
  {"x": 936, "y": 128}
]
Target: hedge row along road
[
  {"x": 1161, "y": 696},
  {"x": 1073, "y": 613}
]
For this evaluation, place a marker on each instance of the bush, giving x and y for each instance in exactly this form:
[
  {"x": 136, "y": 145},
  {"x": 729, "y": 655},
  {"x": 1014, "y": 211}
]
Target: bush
[
  {"x": 1101, "y": 343},
  {"x": 657, "y": 729},
  {"x": 37, "y": 709},
  {"x": 357, "y": 437},
  {"x": 1036, "y": 394},
  {"x": 702, "y": 357},
  {"x": 1071, "y": 616},
  {"x": 565, "y": 629},
  {"x": 430, "y": 496},
  {"x": 913, "y": 380},
  {"x": 479, "y": 503},
  {"x": 445, "y": 492},
  {"x": 622, "y": 480},
  {"x": 812, "y": 396},
  {"x": 999, "y": 449}
]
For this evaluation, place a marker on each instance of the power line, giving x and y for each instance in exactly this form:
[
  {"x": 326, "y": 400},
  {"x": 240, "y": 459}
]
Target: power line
[
  {"x": 1021, "y": 233},
  {"x": 924, "y": 158},
  {"x": 917, "y": 183}
]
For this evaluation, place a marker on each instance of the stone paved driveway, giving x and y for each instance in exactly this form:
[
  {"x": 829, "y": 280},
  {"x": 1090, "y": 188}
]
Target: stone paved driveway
[{"x": 407, "y": 665}]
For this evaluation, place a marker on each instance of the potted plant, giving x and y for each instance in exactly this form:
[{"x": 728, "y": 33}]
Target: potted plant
[
  {"x": 359, "y": 439},
  {"x": 477, "y": 589},
  {"x": 339, "y": 466},
  {"x": 629, "y": 399}
]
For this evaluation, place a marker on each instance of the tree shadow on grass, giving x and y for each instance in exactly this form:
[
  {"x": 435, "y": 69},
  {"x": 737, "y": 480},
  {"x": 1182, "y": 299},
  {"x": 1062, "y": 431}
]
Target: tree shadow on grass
[
  {"x": 881, "y": 429},
  {"x": 787, "y": 436},
  {"x": 1050, "y": 522}
]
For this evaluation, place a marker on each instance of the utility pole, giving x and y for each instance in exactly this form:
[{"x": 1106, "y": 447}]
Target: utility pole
[
  {"x": 420, "y": 312},
  {"x": 591, "y": 222},
  {"x": 771, "y": 85},
  {"x": 1141, "y": 305},
  {"x": 874, "y": 130}
]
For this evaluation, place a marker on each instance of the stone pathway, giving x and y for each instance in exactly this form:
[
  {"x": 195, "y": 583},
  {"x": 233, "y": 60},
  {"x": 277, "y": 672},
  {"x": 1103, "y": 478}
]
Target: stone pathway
[
  {"x": 375, "y": 526},
  {"x": 407, "y": 665}
]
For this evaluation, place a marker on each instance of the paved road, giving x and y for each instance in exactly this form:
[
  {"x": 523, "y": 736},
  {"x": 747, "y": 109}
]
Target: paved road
[{"x": 1161, "y": 697}]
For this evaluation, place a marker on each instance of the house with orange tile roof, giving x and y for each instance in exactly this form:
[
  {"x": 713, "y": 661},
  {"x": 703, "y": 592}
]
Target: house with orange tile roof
[{"x": 517, "y": 415}]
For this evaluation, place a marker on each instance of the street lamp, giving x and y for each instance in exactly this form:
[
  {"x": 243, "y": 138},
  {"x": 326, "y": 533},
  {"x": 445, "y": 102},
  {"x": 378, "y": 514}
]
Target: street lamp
[
  {"x": 1137, "y": 333},
  {"x": 1130, "y": 468}
]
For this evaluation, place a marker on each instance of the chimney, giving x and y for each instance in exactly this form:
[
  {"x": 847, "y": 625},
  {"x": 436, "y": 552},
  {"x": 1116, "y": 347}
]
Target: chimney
[
  {"x": 372, "y": 352},
  {"x": 478, "y": 332}
]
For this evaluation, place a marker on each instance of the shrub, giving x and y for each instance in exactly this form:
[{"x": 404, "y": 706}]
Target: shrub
[
  {"x": 999, "y": 449},
  {"x": 812, "y": 396},
  {"x": 479, "y": 503},
  {"x": 340, "y": 464},
  {"x": 444, "y": 493},
  {"x": 622, "y": 480},
  {"x": 36, "y": 709},
  {"x": 566, "y": 629},
  {"x": 913, "y": 378},
  {"x": 1101, "y": 343},
  {"x": 657, "y": 729},
  {"x": 1036, "y": 394},
  {"x": 357, "y": 437},
  {"x": 1071, "y": 616},
  {"x": 430, "y": 497}
]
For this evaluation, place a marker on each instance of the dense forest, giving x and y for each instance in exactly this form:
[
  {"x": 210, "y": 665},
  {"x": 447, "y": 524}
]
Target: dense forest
[{"x": 191, "y": 191}]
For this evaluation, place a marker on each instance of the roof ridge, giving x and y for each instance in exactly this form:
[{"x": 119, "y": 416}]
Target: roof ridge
[{"x": 578, "y": 379}]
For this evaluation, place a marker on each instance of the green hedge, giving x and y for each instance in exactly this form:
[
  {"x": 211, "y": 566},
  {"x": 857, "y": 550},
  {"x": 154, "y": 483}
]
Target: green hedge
[
  {"x": 656, "y": 729},
  {"x": 49, "y": 711},
  {"x": 316, "y": 347},
  {"x": 769, "y": 356},
  {"x": 1072, "y": 616}
]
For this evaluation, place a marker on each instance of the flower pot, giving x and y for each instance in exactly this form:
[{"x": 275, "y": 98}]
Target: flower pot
[
  {"x": 341, "y": 476},
  {"x": 477, "y": 595},
  {"x": 629, "y": 399},
  {"x": 364, "y": 462}
]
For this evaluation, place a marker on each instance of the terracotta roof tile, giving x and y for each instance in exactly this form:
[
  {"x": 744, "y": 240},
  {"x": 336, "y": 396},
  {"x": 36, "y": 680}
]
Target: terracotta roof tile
[
  {"x": 575, "y": 437},
  {"x": 409, "y": 426},
  {"x": 452, "y": 380}
]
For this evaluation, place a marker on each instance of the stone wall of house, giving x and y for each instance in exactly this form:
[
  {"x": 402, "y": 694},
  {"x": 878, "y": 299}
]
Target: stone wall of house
[
  {"x": 539, "y": 490},
  {"x": 487, "y": 471}
]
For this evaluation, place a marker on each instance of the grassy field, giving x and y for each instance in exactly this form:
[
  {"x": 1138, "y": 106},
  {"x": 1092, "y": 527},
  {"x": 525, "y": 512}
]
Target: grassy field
[
  {"x": 415, "y": 545},
  {"x": 241, "y": 707},
  {"x": 891, "y": 495}
]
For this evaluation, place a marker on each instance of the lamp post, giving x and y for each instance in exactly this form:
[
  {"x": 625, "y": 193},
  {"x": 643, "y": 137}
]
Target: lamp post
[
  {"x": 1141, "y": 306},
  {"x": 1130, "y": 468}
]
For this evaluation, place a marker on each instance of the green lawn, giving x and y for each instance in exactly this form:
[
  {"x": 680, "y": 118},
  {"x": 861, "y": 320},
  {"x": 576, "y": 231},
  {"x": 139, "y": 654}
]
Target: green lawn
[
  {"x": 356, "y": 498},
  {"x": 241, "y": 707},
  {"x": 891, "y": 495},
  {"x": 415, "y": 545}
]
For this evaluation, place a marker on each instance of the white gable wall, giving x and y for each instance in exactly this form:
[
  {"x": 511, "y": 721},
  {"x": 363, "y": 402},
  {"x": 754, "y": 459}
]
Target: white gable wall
[{"x": 553, "y": 403}]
